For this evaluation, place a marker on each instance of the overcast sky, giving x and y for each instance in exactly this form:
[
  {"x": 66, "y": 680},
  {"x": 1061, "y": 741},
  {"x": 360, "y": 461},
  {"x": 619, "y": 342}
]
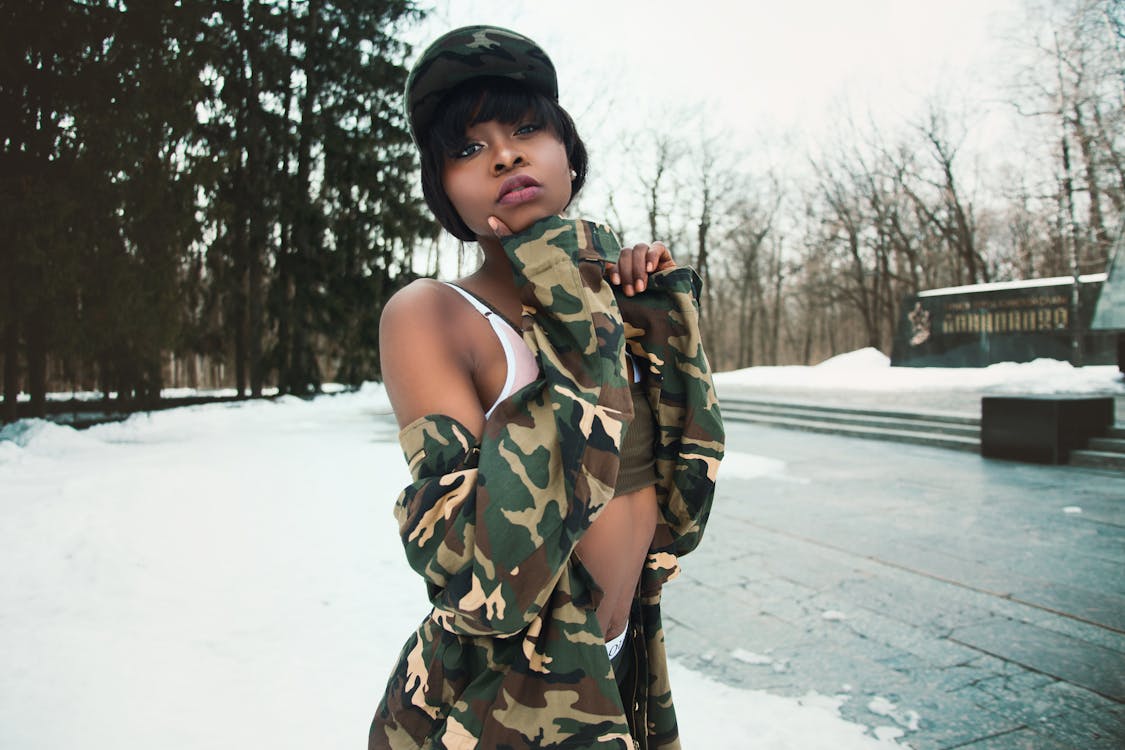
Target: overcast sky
[
  {"x": 782, "y": 73},
  {"x": 755, "y": 64}
]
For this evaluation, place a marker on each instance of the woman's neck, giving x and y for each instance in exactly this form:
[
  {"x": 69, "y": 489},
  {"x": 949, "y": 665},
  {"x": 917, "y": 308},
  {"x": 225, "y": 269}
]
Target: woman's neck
[
  {"x": 497, "y": 267},
  {"x": 494, "y": 280}
]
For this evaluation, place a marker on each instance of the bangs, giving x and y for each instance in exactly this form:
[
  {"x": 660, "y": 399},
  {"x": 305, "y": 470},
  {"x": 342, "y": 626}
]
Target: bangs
[
  {"x": 486, "y": 100},
  {"x": 489, "y": 99}
]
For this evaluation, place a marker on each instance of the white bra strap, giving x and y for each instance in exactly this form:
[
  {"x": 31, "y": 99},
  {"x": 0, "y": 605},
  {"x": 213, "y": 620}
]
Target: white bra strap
[
  {"x": 505, "y": 342},
  {"x": 476, "y": 303}
]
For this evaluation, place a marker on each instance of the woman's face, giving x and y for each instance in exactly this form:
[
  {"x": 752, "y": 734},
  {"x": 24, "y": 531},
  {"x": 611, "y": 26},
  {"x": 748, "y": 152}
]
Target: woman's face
[{"x": 517, "y": 172}]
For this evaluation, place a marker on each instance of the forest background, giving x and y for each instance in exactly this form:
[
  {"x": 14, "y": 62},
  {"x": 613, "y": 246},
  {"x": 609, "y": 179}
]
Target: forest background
[{"x": 222, "y": 193}]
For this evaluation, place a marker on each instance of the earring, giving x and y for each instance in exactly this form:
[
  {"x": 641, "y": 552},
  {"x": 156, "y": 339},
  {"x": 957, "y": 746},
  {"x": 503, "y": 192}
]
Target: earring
[{"x": 573, "y": 174}]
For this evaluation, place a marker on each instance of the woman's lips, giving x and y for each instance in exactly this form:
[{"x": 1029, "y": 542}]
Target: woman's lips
[
  {"x": 517, "y": 189},
  {"x": 520, "y": 195}
]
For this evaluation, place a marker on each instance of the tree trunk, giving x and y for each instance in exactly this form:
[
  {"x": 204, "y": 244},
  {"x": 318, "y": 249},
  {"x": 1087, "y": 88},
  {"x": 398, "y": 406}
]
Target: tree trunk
[
  {"x": 254, "y": 275},
  {"x": 302, "y": 364},
  {"x": 745, "y": 327},
  {"x": 830, "y": 323},
  {"x": 1117, "y": 194},
  {"x": 1075, "y": 251},
  {"x": 11, "y": 368},
  {"x": 806, "y": 355},
  {"x": 863, "y": 295},
  {"x": 1098, "y": 254},
  {"x": 775, "y": 323},
  {"x": 238, "y": 295},
  {"x": 37, "y": 365},
  {"x": 256, "y": 209}
]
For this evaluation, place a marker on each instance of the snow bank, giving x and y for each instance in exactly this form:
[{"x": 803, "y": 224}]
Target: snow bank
[
  {"x": 38, "y": 437},
  {"x": 870, "y": 370},
  {"x": 184, "y": 424},
  {"x": 861, "y": 359}
]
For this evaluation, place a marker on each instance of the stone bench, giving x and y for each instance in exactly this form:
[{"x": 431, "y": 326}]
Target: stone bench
[{"x": 1042, "y": 429}]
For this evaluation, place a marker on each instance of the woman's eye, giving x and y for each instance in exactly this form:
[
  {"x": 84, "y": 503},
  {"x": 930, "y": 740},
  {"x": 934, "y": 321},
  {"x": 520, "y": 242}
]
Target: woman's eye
[
  {"x": 466, "y": 151},
  {"x": 528, "y": 128}
]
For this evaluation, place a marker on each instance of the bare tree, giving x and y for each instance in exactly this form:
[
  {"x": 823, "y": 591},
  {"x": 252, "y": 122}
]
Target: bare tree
[
  {"x": 846, "y": 236},
  {"x": 718, "y": 186},
  {"x": 659, "y": 156},
  {"x": 745, "y": 269},
  {"x": 939, "y": 201},
  {"x": 1076, "y": 82}
]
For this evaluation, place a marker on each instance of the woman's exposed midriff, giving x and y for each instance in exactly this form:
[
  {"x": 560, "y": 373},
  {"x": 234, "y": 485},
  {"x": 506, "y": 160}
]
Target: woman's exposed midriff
[{"x": 614, "y": 549}]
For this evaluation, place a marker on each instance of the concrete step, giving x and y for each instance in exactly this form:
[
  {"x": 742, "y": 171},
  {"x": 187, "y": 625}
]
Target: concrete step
[
  {"x": 877, "y": 419},
  {"x": 956, "y": 442},
  {"x": 822, "y": 409},
  {"x": 1107, "y": 445},
  {"x": 1098, "y": 459},
  {"x": 955, "y": 431}
]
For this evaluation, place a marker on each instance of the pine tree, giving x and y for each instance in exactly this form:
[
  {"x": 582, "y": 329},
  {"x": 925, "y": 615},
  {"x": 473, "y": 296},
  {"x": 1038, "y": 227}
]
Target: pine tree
[{"x": 200, "y": 177}]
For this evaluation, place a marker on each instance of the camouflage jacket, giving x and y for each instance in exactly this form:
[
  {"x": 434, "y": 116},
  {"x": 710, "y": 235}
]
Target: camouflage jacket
[{"x": 511, "y": 655}]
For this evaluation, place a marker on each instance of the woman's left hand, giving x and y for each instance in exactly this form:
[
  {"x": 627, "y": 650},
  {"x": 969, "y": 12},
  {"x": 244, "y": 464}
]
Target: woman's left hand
[{"x": 632, "y": 269}]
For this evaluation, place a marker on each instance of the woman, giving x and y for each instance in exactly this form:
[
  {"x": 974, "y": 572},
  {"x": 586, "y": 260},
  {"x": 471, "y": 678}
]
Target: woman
[{"x": 547, "y": 508}]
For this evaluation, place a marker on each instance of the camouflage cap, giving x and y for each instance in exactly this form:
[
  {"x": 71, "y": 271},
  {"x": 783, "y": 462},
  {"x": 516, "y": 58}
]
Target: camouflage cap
[{"x": 473, "y": 52}]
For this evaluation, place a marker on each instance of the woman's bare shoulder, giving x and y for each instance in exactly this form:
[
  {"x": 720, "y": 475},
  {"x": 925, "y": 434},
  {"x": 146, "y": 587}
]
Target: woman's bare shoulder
[
  {"x": 423, "y": 298},
  {"x": 416, "y": 320},
  {"x": 423, "y": 360}
]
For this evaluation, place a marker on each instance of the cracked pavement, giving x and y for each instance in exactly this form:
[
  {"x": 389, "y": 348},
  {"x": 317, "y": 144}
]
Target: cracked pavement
[{"x": 955, "y": 602}]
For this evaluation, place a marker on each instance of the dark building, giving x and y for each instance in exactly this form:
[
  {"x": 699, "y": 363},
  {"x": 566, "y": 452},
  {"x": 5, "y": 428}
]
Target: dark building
[{"x": 1012, "y": 321}]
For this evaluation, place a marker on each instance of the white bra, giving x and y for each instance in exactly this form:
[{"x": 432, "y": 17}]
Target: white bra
[
  {"x": 522, "y": 366},
  {"x": 521, "y": 363}
]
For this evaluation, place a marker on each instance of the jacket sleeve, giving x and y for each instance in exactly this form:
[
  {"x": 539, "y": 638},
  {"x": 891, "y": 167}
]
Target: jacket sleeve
[
  {"x": 662, "y": 327},
  {"x": 491, "y": 524}
]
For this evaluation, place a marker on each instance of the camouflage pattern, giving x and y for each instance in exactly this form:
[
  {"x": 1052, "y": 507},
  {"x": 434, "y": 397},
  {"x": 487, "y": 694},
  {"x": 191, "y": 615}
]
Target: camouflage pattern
[
  {"x": 512, "y": 655},
  {"x": 470, "y": 52}
]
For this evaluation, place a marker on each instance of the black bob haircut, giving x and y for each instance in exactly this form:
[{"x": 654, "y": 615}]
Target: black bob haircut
[{"x": 483, "y": 100}]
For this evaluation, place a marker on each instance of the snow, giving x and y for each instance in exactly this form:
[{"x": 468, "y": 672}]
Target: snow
[
  {"x": 204, "y": 577},
  {"x": 861, "y": 359},
  {"x": 908, "y": 720},
  {"x": 749, "y": 657},
  {"x": 759, "y": 660},
  {"x": 870, "y": 370},
  {"x": 230, "y": 576},
  {"x": 737, "y": 464},
  {"x": 714, "y": 715},
  {"x": 888, "y": 733},
  {"x": 997, "y": 286}
]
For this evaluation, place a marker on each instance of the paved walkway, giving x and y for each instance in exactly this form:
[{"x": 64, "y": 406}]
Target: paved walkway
[{"x": 968, "y": 603}]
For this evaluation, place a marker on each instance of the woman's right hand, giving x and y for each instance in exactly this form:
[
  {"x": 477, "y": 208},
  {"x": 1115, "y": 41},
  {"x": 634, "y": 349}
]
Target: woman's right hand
[{"x": 636, "y": 263}]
